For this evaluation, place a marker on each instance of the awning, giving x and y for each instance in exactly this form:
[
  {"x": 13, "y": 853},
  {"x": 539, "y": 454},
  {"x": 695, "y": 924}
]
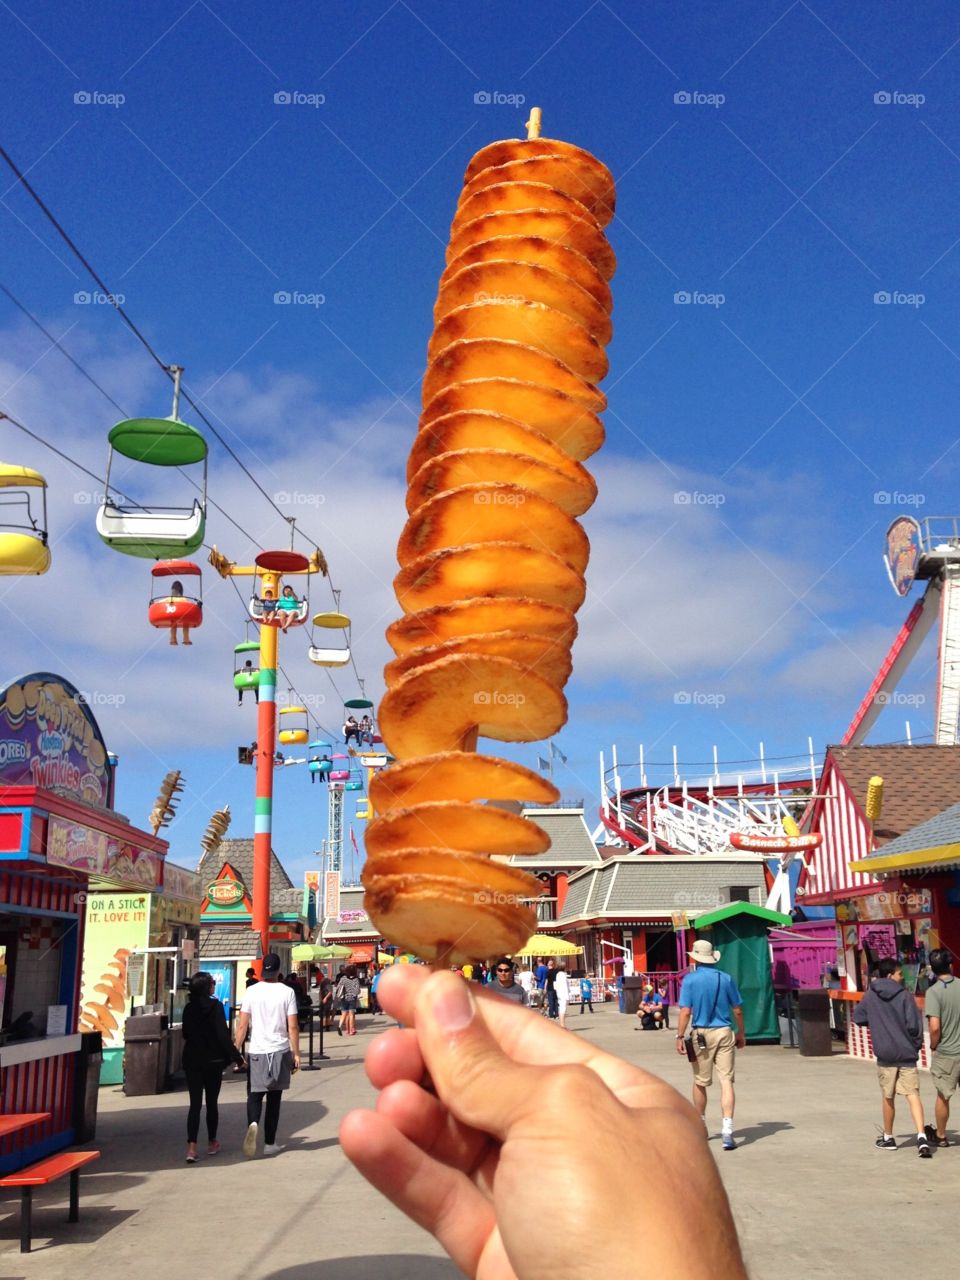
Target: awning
[
  {"x": 939, "y": 856},
  {"x": 361, "y": 955}
]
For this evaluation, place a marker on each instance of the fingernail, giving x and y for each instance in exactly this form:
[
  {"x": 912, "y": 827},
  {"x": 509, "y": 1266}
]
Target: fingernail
[{"x": 454, "y": 1008}]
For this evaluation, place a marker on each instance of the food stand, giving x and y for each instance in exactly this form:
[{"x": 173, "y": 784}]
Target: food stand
[{"x": 59, "y": 834}]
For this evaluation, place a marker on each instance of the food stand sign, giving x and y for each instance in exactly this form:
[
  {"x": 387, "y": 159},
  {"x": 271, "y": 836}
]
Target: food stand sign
[
  {"x": 225, "y": 893},
  {"x": 49, "y": 739},
  {"x": 73, "y": 844},
  {"x": 904, "y": 549}
]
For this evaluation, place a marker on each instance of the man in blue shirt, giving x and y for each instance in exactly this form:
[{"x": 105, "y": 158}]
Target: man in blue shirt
[{"x": 709, "y": 1005}]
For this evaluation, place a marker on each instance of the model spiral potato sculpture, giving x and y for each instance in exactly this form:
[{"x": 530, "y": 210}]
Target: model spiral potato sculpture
[{"x": 492, "y": 557}]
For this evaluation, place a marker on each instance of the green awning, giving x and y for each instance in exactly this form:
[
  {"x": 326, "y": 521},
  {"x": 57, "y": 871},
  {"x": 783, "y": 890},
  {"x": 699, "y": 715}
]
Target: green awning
[
  {"x": 741, "y": 909},
  {"x": 164, "y": 442}
]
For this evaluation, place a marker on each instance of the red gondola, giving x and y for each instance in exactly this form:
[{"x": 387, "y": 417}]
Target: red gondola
[{"x": 176, "y": 608}]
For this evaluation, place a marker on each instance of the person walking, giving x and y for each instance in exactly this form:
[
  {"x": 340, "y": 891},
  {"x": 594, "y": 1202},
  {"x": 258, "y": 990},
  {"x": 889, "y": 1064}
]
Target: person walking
[
  {"x": 505, "y": 984},
  {"x": 374, "y": 983},
  {"x": 709, "y": 1005},
  {"x": 348, "y": 997},
  {"x": 207, "y": 1049},
  {"x": 586, "y": 993},
  {"x": 550, "y": 986},
  {"x": 891, "y": 1013},
  {"x": 941, "y": 1006},
  {"x": 561, "y": 987},
  {"x": 269, "y": 1013}
]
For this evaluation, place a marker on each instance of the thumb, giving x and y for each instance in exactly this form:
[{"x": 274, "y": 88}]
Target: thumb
[{"x": 473, "y": 1077}]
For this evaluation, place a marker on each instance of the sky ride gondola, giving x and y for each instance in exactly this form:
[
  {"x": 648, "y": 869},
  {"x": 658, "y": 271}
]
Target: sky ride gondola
[
  {"x": 171, "y": 607},
  {"x": 295, "y": 725},
  {"x": 320, "y": 762},
  {"x": 246, "y": 668},
  {"x": 23, "y": 540},
  {"x": 328, "y": 655},
  {"x": 155, "y": 533}
]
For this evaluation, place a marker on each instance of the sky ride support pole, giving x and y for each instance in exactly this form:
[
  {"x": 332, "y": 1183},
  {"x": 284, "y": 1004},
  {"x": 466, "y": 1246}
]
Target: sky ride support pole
[{"x": 266, "y": 749}]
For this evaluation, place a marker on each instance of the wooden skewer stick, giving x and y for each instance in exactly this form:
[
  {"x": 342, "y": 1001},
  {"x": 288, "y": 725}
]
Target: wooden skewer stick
[
  {"x": 444, "y": 952},
  {"x": 534, "y": 123}
]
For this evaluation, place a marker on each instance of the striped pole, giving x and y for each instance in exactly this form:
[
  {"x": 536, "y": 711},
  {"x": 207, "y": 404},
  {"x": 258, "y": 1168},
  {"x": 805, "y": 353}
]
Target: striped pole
[{"x": 266, "y": 748}]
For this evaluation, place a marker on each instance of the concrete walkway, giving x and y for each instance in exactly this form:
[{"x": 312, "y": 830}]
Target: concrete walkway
[{"x": 812, "y": 1195}]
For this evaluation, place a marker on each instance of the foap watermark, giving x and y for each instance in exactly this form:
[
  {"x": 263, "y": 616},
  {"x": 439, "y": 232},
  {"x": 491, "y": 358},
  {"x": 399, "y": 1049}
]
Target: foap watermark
[
  {"x": 698, "y": 698},
  {"x": 297, "y": 98},
  {"x": 696, "y": 298},
  {"x": 296, "y": 298},
  {"x": 896, "y": 699},
  {"x": 495, "y": 98},
  {"x": 894, "y": 98},
  {"x": 99, "y": 698},
  {"x": 697, "y": 498},
  {"x": 911, "y": 898},
  {"x": 95, "y": 98},
  {"x": 94, "y": 298},
  {"x": 498, "y": 698},
  {"x": 298, "y": 498},
  {"x": 494, "y": 898},
  {"x": 897, "y": 298},
  {"x": 88, "y": 498},
  {"x": 505, "y": 299},
  {"x": 694, "y": 98},
  {"x": 499, "y": 498},
  {"x": 697, "y": 898},
  {"x": 894, "y": 498}
]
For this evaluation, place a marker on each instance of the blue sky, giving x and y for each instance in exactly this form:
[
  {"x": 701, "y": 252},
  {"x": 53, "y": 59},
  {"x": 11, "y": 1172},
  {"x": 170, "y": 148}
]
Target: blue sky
[{"x": 798, "y": 412}]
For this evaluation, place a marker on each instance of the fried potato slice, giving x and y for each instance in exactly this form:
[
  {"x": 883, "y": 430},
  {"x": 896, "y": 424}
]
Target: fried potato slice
[
  {"x": 488, "y": 569},
  {"x": 537, "y": 251},
  {"x": 491, "y": 616},
  {"x": 441, "y": 706},
  {"x": 509, "y": 282},
  {"x": 481, "y": 429},
  {"x": 573, "y": 494},
  {"x": 455, "y": 824},
  {"x": 533, "y": 323},
  {"x": 505, "y": 197},
  {"x": 501, "y": 358},
  {"x": 493, "y": 513},
  {"x": 565, "y": 173},
  {"x": 508, "y": 150},
  {"x": 474, "y": 870},
  {"x": 548, "y": 657},
  {"x": 421, "y": 914},
  {"x": 564, "y": 420},
  {"x": 457, "y": 775},
  {"x": 580, "y": 233}
]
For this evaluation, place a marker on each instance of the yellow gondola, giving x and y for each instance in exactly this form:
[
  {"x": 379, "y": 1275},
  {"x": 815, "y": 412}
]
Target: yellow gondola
[
  {"x": 327, "y": 655},
  {"x": 23, "y": 530},
  {"x": 295, "y": 727}
]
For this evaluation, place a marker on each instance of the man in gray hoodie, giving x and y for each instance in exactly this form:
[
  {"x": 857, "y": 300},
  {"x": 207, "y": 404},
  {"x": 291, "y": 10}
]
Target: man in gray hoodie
[{"x": 896, "y": 1029}]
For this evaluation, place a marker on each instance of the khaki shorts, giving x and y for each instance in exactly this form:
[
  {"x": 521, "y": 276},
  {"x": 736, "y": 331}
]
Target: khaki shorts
[
  {"x": 945, "y": 1072},
  {"x": 719, "y": 1053},
  {"x": 902, "y": 1080}
]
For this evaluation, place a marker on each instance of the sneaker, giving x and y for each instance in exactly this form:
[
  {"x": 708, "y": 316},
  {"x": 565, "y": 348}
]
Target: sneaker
[
  {"x": 886, "y": 1144},
  {"x": 213, "y": 1149},
  {"x": 272, "y": 1148},
  {"x": 727, "y": 1141},
  {"x": 934, "y": 1138},
  {"x": 923, "y": 1148},
  {"x": 250, "y": 1141}
]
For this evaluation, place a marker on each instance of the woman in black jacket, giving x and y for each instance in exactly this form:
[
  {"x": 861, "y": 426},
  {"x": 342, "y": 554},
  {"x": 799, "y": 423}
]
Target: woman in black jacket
[{"x": 207, "y": 1048}]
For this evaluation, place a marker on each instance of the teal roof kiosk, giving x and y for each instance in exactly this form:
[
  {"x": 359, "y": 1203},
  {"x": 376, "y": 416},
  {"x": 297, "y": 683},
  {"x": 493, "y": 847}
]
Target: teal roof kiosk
[{"x": 739, "y": 932}]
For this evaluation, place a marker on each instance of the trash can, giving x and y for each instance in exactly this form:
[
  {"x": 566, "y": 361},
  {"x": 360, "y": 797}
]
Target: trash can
[
  {"x": 630, "y": 994},
  {"x": 86, "y": 1088},
  {"x": 813, "y": 1018},
  {"x": 145, "y": 1054}
]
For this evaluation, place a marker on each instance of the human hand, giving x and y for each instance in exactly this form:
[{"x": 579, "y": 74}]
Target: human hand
[
  {"x": 681, "y": 1047},
  {"x": 296, "y": 1062},
  {"x": 741, "y": 1040},
  {"x": 512, "y": 1095}
]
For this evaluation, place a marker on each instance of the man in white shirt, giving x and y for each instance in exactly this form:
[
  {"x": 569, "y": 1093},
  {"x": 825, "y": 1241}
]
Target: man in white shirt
[{"x": 269, "y": 1013}]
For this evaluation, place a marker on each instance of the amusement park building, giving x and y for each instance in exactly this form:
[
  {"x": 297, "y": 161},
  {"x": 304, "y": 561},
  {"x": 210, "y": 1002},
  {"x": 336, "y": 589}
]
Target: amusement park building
[
  {"x": 571, "y": 850},
  {"x": 228, "y": 942},
  {"x": 351, "y": 927},
  {"x": 915, "y": 906},
  {"x": 640, "y": 904}
]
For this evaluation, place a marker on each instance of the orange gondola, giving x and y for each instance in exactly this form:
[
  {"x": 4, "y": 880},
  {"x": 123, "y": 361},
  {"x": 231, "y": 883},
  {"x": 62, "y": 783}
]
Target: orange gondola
[{"x": 176, "y": 607}]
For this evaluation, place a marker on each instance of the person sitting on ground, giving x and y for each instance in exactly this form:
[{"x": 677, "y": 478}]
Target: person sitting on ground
[
  {"x": 896, "y": 1029},
  {"x": 288, "y": 607},
  {"x": 650, "y": 1011},
  {"x": 474, "y": 1092},
  {"x": 504, "y": 983}
]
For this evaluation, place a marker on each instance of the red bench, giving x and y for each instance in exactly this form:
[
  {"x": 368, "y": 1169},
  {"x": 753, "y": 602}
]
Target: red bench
[{"x": 42, "y": 1174}]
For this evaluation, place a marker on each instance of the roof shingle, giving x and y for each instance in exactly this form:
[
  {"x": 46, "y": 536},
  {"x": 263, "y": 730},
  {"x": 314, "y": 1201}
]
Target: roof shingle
[
  {"x": 285, "y": 899},
  {"x": 918, "y": 782}
]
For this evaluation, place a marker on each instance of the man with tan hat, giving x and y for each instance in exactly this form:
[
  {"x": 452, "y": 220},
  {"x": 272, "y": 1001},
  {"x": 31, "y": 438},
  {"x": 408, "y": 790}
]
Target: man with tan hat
[{"x": 709, "y": 1005}]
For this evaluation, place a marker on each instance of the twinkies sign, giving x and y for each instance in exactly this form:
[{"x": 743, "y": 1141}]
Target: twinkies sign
[
  {"x": 71, "y": 844},
  {"x": 49, "y": 739}
]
